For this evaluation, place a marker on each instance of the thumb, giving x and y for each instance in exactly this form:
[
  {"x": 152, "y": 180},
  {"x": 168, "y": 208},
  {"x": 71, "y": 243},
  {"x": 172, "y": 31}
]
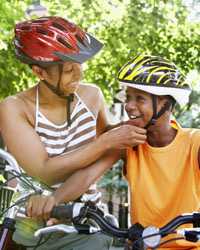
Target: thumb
[{"x": 52, "y": 221}]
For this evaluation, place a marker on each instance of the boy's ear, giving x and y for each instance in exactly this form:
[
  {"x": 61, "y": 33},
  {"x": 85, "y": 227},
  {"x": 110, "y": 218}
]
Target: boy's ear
[{"x": 167, "y": 101}]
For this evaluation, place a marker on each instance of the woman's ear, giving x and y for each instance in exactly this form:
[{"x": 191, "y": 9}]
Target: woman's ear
[{"x": 39, "y": 72}]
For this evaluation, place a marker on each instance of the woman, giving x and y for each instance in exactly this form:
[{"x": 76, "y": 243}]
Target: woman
[{"x": 55, "y": 128}]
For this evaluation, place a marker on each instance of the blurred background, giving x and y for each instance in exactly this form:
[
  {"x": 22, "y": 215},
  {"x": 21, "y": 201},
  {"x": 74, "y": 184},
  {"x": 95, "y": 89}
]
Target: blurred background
[{"x": 167, "y": 28}]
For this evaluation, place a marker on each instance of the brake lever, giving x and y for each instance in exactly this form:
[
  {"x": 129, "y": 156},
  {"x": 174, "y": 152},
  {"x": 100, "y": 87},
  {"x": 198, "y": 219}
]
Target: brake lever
[{"x": 91, "y": 197}]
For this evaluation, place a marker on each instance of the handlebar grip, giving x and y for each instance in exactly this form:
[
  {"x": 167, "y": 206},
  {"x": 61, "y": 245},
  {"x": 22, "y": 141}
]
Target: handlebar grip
[{"x": 62, "y": 212}]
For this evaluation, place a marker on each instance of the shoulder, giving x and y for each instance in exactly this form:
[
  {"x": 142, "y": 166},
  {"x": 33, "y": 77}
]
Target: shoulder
[
  {"x": 193, "y": 134},
  {"x": 92, "y": 96},
  {"x": 11, "y": 110},
  {"x": 93, "y": 89},
  {"x": 193, "y": 140},
  {"x": 11, "y": 104},
  {"x": 15, "y": 106}
]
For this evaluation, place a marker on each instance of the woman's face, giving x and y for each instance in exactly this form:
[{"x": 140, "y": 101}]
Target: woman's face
[{"x": 70, "y": 78}]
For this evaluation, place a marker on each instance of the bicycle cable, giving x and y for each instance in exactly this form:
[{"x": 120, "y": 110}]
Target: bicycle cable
[{"x": 167, "y": 241}]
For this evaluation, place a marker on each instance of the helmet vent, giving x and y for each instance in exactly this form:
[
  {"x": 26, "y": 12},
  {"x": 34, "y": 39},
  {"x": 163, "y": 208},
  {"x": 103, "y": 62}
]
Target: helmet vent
[
  {"x": 64, "y": 42},
  {"x": 39, "y": 21},
  {"x": 58, "y": 26},
  {"x": 79, "y": 39},
  {"x": 42, "y": 31},
  {"x": 51, "y": 40},
  {"x": 25, "y": 28}
]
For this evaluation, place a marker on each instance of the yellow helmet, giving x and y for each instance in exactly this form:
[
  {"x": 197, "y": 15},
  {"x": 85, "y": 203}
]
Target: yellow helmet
[{"x": 156, "y": 76}]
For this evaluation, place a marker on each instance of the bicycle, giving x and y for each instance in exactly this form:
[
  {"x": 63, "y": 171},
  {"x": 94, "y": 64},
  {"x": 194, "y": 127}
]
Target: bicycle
[
  {"x": 8, "y": 207},
  {"x": 78, "y": 212},
  {"x": 146, "y": 237},
  {"x": 11, "y": 207}
]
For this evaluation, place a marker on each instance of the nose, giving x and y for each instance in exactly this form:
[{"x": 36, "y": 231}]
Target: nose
[
  {"x": 77, "y": 69},
  {"x": 77, "y": 66}
]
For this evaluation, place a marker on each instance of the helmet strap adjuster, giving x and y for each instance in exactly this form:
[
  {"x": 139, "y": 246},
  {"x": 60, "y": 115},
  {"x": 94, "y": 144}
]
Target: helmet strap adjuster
[{"x": 153, "y": 121}]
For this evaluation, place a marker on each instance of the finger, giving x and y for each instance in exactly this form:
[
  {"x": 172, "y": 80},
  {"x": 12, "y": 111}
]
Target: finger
[
  {"x": 37, "y": 208},
  {"x": 29, "y": 208},
  {"x": 135, "y": 142},
  {"x": 139, "y": 137},
  {"x": 52, "y": 221},
  {"x": 140, "y": 142},
  {"x": 139, "y": 130},
  {"x": 134, "y": 128},
  {"x": 48, "y": 207}
]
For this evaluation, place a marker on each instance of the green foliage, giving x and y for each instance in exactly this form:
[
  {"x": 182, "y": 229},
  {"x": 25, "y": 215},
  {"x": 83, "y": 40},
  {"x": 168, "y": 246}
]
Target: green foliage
[
  {"x": 126, "y": 27},
  {"x": 14, "y": 76},
  {"x": 114, "y": 182}
]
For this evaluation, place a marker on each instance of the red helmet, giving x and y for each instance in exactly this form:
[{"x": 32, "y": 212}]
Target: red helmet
[{"x": 51, "y": 40}]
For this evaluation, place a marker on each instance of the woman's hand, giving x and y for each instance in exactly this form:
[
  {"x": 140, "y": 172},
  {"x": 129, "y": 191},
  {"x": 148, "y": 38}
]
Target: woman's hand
[
  {"x": 40, "y": 206},
  {"x": 123, "y": 137}
]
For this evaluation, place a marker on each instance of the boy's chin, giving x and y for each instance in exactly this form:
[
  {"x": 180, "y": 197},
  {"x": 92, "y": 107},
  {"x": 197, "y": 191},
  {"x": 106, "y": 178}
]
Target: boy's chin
[{"x": 133, "y": 122}]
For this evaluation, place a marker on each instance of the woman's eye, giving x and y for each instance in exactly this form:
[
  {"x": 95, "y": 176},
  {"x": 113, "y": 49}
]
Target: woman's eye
[{"x": 68, "y": 70}]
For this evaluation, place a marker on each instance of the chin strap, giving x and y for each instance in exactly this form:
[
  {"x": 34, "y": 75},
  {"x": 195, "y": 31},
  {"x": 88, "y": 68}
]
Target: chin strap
[
  {"x": 56, "y": 90},
  {"x": 70, "y": 99},
  {"x": 158, "y": 114}
]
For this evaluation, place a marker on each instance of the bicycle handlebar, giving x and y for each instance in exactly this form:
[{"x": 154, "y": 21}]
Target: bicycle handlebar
[
  {"x": 193, "y": 218},
  {"x": 63, "y": 212},
  {"x": 151, "y": 236},
  {"x": 84, "y": 211},
  {"x": 10, "y": 159}
]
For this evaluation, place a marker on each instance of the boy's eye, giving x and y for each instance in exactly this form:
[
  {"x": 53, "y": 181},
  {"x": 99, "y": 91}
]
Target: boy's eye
[{"x": 140, "y": 98}]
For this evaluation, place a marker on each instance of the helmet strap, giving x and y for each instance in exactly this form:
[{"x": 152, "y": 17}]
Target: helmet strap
[
  {"x": 56, "y": 90},
  {"x": 153, "y": 119},
  {"x": 158, "y": 114}
]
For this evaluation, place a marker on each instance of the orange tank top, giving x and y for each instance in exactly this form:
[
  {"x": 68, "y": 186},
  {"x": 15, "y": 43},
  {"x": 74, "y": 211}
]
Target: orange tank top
[{"x": 165, "y": 181}]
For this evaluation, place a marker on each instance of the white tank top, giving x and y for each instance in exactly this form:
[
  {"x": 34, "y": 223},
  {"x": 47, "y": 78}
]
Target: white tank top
[{"x": 58, "y": 139}]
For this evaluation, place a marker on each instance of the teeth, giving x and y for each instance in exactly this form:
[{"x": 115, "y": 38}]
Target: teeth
[{"x": 133, "y": 116}]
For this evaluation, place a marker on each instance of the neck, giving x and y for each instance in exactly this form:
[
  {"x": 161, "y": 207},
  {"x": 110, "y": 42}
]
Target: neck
[
  {"x": 161, "y": 135},
  {"x": 48, "y": 97}
]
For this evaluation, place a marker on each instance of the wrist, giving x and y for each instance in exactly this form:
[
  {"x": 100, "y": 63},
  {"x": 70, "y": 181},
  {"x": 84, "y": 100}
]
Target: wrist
[
  {"x": 103, "y": 142},
  {"x": 57, "y": 198}
]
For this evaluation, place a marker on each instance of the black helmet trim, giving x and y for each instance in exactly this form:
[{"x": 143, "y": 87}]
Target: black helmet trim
[{"x": 84, "y": 54}]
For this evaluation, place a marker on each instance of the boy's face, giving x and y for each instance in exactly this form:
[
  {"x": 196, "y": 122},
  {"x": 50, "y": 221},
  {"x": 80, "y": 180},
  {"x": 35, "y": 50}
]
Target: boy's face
[
  {"x": 138, "y": 107},
  {"x": 70, "y": 79}
]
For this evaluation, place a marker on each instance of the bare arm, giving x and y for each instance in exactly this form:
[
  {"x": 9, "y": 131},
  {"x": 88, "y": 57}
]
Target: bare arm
[
  {"x": 103, "y": 122},
  {"x": 74, "y": 186},
  {"x": 80, "y": 181},
  {"x": 24, "y": 143},
  {"x": 26, "y": 146}
]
